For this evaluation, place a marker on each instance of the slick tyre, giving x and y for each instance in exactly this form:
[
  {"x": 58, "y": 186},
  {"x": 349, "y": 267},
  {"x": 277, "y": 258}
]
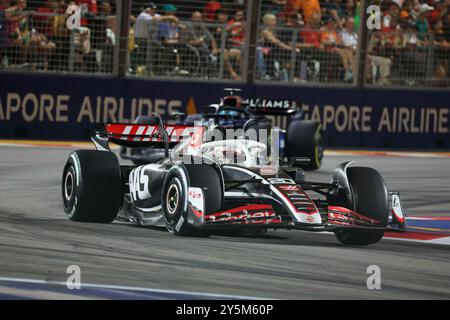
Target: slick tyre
[
  {"x": 305, "y": 139},
  {"x": 175, "y": 195},
  {"x": 92, "y": 186},
  {"x": 371, "y": 199}
]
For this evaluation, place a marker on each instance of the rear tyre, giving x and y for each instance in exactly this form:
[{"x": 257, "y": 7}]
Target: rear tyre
[
  {"x": 371, "y": 199},
  {"x": 92, "y": 186},
  {"x": 175, "y": 195},
  {"x": 305, "y": 139}
]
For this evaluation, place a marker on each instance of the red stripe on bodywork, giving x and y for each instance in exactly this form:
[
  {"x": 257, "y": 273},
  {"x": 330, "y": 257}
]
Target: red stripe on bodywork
[
  {"x": 196, "y": 212},
  {"x": 249, "y": 214},
  {"x": 350, "y": 213},
  {"x": 132, "y": 133},
  {"x": 400, "y": 219},
  {"x": 283, "y": 190},
  {"x": 117, "y": 131},
  {"x": 250, "y": 207}
]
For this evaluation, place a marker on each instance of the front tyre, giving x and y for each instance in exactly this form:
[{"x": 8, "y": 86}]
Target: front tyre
[
  {"x": 359, "y": 237},
  {"x": 92, "y": 186},
  {"x": 175, "y": 196},
  {"x": 371, "y": 200}
]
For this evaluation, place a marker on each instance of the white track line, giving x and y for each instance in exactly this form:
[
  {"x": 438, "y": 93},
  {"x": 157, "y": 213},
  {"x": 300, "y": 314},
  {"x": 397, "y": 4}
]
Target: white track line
[
  {"x": 126, "y": 288},
  {"x": 402, "y": 154},
  {"x": 442, "y": 241},
  {"x": 40, "y": 294}
]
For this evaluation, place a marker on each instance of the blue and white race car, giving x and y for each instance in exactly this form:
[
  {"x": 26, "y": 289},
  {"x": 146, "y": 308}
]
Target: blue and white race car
[{"x": 300, "y": 144}]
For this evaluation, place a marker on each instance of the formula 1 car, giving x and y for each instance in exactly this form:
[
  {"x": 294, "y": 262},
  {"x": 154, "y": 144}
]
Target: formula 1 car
[
  {"x": 196, "y": 187},
  {"x": 301, "y": 144}
]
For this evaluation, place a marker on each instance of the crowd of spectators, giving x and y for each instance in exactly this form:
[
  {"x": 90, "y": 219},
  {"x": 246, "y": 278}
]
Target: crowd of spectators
[
  {"x": 413, "y": 41},
  {"x": 297, "y": 40},
  {"x": 34, "y": 35},
  {"x": 189, "y": 38},
  {"x": 415, "y": 37},
  {"x": 312, "y": 40}
]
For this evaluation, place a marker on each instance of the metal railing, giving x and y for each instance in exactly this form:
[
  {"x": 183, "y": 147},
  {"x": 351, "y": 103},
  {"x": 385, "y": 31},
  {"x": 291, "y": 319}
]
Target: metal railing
[
  {"x": 406, "y": 59},
  {"x": 198, "y": 50},
  {"x": 43, "y": 43},
  {"x": 206, "y": 48},
  {"x": 297, "y": 55}
]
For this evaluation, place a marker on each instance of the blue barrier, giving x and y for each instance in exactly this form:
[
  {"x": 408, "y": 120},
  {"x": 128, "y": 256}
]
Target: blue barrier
[{"x": 64, "y": 108}]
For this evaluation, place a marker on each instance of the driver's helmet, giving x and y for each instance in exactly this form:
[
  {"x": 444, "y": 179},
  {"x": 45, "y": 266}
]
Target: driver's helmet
[{"x": 233, "y": 114}]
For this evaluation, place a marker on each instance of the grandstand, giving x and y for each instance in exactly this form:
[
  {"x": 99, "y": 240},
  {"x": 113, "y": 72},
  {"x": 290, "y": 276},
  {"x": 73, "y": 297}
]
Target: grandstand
[{"x": 293, "y": 41}]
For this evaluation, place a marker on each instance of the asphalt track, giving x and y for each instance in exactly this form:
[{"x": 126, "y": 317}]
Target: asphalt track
[{"x": 38, "y": 242}]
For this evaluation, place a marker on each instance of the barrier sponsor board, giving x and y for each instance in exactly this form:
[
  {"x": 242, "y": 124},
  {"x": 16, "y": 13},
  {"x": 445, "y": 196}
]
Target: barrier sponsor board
[
  {"x": 65, "y": 107},
  {"x": 375, "y": 117}
]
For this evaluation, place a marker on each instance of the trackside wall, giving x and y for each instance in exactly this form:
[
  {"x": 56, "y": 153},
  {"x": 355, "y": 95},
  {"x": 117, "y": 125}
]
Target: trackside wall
[{"x": 65, "y": 107}]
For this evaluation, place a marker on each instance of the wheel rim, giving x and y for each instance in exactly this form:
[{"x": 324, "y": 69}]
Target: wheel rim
[
  {"x": 319, "y": 149},
  {"x": 68, "y": 185},
  {"x": 172, "y": 199}
]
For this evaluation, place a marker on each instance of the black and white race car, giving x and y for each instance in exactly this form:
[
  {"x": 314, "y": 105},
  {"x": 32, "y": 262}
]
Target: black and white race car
[{"x": 194, "y": 187}]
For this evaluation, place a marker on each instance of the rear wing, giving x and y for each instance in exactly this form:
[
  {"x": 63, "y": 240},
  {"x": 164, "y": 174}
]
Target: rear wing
[
  {"x": 272, "y": 107},
  {"x": 141, "y": 136},
  {"x": 259, "y": 106}
]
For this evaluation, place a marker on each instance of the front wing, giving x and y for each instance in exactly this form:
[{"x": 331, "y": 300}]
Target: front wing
[{"x": 263, "y": 215}]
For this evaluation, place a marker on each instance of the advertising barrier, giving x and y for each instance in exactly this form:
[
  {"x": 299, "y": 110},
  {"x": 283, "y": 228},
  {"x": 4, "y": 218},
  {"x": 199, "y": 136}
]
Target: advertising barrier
[{"x": 65, "y": 108}]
